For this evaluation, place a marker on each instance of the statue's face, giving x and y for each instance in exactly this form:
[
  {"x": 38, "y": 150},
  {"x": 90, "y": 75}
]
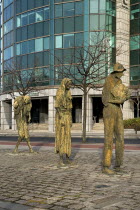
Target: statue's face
[
  {"x": 26, "y": 100},
  {"x": 119, "y": 74},
  {"x": 68, "y": 85}
]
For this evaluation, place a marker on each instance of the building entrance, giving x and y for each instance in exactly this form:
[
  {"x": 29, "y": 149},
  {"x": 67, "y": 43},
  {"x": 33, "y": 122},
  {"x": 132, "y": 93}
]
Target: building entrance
[
  {"x": 39, "y": 111},
  {"x": 97, "y": 109},
  {"x": 77, "y": 110}
]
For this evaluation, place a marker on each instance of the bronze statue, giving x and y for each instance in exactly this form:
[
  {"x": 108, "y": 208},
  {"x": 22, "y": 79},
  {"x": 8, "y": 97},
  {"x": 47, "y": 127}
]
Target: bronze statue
[
  {"x": 113, "y": 96},
  {"x": 22, "y": 107},
  {"x": 63, "y": 120}
]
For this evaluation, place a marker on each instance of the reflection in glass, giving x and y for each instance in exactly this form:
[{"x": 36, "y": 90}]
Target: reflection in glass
[
  {"x": 18, "y": 21},
  {"x": 94, "y": 4},
  {"x": 79, "y": 39},
  {"x": 58, "y": 10},
  {"x": 46, "y": 43},
  {"x": 68, "y": 9},
  {"x": 68, "y": 40},
  {"x": 79, "y": 8},
  {"x": 46, "y": 13},
  {"x": 31, "y": 17},
  {"x": 31, "y": 46},
  {"x": 39, "y": 15},
  {"x": 38, "y": 44},
  {"x": 8, "y": 53},
  {"x": 58, "y": 41},
  {"x": 24, "y": 19},
  {"x": 8, "y": 26},
  {"x": 18, "y": 52}
]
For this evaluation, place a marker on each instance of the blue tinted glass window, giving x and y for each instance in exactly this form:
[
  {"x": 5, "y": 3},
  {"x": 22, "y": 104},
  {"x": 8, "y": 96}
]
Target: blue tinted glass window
[
  {"x": 79, "y": 39},
  {"x": 24, "y": 62},
  {"x": 68, "y": 9},
  {"x": 31, "y": 17},
  {"x": 8, "y": 26},
  {"x": 102, "y": 6},
  {"x": 68, "y": 40},
  {"x": 94, "y": 22},
  {"x": 30, "y": 4},
  {"x": 46, "y": 13},
  {"x": 79, "y": 8},
  {"x": 94, "y": 6},
  {"x": 7, "y": 2},
  {"x": 39, "y": 3},
  {"x": 18, "y": 6},
  {"x": 38, "y": 44},
  {"x": 18, "y": 35},
  {"x": 23, "y": 5},
  {"x": 24, "y": 19},
  {"x": 39, "y": 16},
  {"x": 39, "y": 59},
  {"x": 58, "y": 26},
  {"x": 8, "y": 12},
  {"x": 58, "y": 41},
  {"x": 102, "y": 21},
  {"x": 39, "y": 27},
  {"x": 31, "y": 46},
  {"x": 79, "y": 23},
  {"x": 58, "y": 10},
  {"x": 8, "y": 53},
  {"x": 18, "y": 20},
  {"x": 46, "y": 27},
  {"x": 31, "y": 31},
  {"x": 46, "y": 58},
  {"x": 8, "y": 39},
  {"x": 18, "y": 50},
  {"x": 46, "y": 43},
  {"x": 24, "y": 47},
  {"x": 46, "y": 74},
  {"x": 24, "y": 32},
  {"x": 68, "y": 25},
  {"x": 31, "y": 60}
]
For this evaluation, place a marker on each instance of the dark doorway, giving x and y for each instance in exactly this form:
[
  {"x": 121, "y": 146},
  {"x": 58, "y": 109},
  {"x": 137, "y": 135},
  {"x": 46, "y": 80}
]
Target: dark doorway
[
  {"x": 77, "y": 110},
  {"x": 97, "y": 109},
  {"x": 39, "y": 111}
]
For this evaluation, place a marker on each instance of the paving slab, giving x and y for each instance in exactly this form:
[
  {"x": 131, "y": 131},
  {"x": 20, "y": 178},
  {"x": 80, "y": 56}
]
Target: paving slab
[{"x": 37, "y": 181}]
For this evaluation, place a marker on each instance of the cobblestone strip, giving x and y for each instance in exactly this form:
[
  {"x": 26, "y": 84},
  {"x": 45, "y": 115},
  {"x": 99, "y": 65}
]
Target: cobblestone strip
[{"x": 37, "y": 181}]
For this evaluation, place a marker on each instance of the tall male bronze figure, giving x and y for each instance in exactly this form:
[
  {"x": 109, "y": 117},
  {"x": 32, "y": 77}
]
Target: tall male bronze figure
[
  {"x": 113, "y": 96},
  {"x": 63, "y": 120}
]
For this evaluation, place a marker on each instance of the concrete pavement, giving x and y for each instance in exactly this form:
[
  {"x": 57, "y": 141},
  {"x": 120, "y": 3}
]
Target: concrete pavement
[
  {"x": 128, "y": 133},
  {"x": 37, "y": 181}
]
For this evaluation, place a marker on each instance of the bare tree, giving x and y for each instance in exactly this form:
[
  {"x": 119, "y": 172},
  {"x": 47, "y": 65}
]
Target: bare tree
[
  {"x": 88, "y": 66},
  {"x": 16, "y": 80}
]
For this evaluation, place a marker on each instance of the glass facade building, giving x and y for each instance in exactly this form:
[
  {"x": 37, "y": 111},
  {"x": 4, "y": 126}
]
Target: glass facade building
[
  {"x": 38, "y": 33},
  {"x": 39, "y": 36},
  {"x": 135, "y": 43}
]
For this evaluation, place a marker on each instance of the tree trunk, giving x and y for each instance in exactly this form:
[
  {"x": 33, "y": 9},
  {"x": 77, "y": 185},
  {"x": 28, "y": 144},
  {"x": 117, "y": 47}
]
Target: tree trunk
[
  {"x": 138, "y": 104},
  {"x": 84, "y": 115}
]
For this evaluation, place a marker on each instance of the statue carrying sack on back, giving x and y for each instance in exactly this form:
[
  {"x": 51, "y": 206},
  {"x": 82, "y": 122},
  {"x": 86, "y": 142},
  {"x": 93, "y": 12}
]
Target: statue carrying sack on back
[{"x": 22, "y": 108}]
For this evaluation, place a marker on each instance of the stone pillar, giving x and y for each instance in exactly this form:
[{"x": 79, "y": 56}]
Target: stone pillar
[
  {"x": 14, "y": 126},
  {"x": 89, "y": 121},
  {"x": 6, "y": 115},
  {"x": 51, "y": 114},
  {"x": 89, "y": 114},
  {"x": 122, "y": 43}
]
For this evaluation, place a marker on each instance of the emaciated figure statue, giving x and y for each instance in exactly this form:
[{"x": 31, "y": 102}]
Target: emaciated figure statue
[
  {"x": 114, "y": 95},
  {"x": 22, "y": 107},
  {"x": 63, "y": 120}
]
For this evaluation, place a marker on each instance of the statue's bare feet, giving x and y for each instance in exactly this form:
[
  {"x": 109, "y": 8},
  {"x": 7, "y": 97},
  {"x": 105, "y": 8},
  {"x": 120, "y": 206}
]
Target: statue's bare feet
[
  {"x": 108, "y": 171},
  {"x": 31, "y": 151},
  {"x": 15, "y": 151}
]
